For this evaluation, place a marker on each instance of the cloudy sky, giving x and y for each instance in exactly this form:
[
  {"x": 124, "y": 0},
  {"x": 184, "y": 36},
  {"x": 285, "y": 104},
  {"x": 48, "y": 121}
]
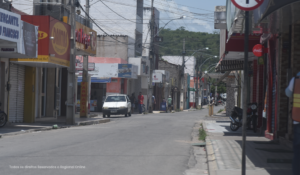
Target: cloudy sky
[{"x": 199, "y": 13}]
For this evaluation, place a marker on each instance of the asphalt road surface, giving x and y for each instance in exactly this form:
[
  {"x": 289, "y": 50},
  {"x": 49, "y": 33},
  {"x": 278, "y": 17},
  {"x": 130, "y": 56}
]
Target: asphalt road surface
[{"x": 153, "y": 144}]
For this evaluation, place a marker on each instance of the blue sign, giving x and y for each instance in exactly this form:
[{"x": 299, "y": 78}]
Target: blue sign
[{"x": 124, "y": 70}]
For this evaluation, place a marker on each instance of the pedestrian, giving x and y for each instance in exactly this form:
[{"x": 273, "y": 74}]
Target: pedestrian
[
  {"x": 170, "y": 103},
  {"x": 153, "y": 101},
  {"x": 141, "y": 102},
  {"x": 293, "y": 91},
  {"x": 132, "y": 100}
]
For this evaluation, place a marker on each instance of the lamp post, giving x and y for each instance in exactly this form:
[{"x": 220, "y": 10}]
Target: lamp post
[{"x": 151, "y": 49}]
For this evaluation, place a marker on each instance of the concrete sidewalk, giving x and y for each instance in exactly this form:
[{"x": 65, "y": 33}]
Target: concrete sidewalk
[
  {"x": 264, "y": 157},
  {"x": 47, "y": 124}
]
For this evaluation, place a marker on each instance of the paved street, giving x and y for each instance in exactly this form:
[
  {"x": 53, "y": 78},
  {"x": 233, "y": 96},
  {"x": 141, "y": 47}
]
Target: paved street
[{"x": 141, "y": 144}]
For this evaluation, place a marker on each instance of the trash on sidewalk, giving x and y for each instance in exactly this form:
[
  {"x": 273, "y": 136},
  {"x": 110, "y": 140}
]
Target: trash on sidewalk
[{"x": 54, "y": 127}]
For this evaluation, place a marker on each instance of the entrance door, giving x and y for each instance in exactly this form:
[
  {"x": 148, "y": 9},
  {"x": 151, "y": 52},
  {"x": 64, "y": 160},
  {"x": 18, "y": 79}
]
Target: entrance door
[
  {"x": 43, "y": 92},
  {"x": 2, "y": 85}
]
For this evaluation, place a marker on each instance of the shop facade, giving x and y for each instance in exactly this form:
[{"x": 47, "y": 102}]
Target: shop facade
[
  {"x": 42, "y": 76},
  {"x": 18, "y": 39}
]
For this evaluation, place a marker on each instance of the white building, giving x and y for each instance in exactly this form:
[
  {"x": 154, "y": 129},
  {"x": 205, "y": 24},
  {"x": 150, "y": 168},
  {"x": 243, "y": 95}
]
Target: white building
[
  {"x": 190, "y": 63},
  {"x": 120, "y": 18}
]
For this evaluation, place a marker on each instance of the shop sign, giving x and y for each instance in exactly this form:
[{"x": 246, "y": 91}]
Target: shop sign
[
  {"x": 9, "y": 26},
  {"x": 259, "y": 50},
  {"x": 127, "y": 71},
  {"x": 83, "y": 99},
  {"x": 157, "y": 77},
  {"x": 13, "y": 29},
  {"x": 79, "y": 66},
  {"x": 86, "y": 39},
  {"x": 56, "y": 50}
]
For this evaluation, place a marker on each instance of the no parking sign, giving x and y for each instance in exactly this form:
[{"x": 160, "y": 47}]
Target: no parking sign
[{"x": 247, "y": 5}]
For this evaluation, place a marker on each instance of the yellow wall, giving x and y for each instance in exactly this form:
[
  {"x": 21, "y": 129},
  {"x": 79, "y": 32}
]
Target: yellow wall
[{"x": 29, "y": 96}]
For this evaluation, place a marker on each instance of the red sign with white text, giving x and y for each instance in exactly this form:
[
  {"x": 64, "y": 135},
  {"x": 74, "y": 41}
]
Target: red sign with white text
[{"x": 258, "y": 50}]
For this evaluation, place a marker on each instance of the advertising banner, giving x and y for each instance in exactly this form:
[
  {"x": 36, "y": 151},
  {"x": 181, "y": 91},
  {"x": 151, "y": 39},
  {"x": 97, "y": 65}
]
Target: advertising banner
[
  {"x": 79, "y": 66},
  {"x": 10, "y": 27},
  {"x": 105, "y": 70},
  {"x": 29, "y": 39},
  {"x": 59, "y": 47},
  {"x": 83, "y": 99},
  {"x": 157, "y": 77},
  {"x": 86, "y": 39},
  {"x": 23, "y": 34},
  {"x": 55, "y": 50},
  {"x": 124, "y": 70}
]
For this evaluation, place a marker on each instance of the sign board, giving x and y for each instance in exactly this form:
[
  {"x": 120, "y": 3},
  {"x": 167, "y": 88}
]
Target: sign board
[
  {"x": 114, "y": 70},
  {"x": 24, "y": 35},
  {"x": 157, "y": 77},
  {"x": 83, "y": 99},
  {"x": 79, "y": 66},
  {"x": 247, "y": 5},
  {"x": 86, "y": 40},
  {"x": 56, "y": 50},
  {"x": 164, "y": 72}
]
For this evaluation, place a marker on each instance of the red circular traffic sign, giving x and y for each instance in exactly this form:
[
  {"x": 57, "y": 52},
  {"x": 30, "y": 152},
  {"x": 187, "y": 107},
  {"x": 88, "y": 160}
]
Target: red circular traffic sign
[
  {"x": 247, "y": 5},
  {"x": 258, "y": 50}
]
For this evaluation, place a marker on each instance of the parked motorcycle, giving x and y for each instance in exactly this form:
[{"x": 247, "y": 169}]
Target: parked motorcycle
[
  {"x": 237, "y": 117},
  {"x": 220, "y": 102}
]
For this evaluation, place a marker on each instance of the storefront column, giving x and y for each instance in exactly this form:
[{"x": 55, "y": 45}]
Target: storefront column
[{"x": 29, "y": 94}]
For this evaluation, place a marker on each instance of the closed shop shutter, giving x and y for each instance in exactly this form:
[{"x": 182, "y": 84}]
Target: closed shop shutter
[{"x": 16, "y": 94}]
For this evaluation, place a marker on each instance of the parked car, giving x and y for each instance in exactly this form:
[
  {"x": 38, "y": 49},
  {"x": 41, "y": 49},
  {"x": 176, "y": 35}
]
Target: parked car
[{"x": 116, "y": 104}]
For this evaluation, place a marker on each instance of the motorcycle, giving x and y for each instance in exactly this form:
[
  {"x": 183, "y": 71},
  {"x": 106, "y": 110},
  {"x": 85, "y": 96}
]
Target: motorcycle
[
  {"x": 237, "y": 117},
  {"x": 221, "y": 102}
]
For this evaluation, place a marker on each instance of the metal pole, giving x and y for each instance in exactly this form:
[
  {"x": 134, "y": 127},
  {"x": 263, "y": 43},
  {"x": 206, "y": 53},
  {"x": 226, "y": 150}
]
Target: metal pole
[
  {"x": 245, "y": 95},
  {"x": 85, "y": 65},
  {"x": 70, "y": 119},
  {"x": 182, "y": 75},
  {"x": 151, "y": 53}
]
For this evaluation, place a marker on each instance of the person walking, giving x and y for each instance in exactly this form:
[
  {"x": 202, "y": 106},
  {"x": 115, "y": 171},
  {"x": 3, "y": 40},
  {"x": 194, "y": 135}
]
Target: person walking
[
  {"x": 170, "y": 103},
  {"x": 141, "y": 102},
  {"x": 153, "y": 102},
  {"x": 293, "y": 91},
  {"x": 132, "y": 100}
]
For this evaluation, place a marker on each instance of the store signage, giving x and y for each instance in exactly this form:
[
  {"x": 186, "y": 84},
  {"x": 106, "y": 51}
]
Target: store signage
[
  {"x": 9, "y": 26},
  {"x": 247, "y": 5},
  {"x": 55, "y": 51},
  {"x": 79, "y": 66},
  {"x": 86, "y": 40},
  {"x": 42, "y": 35},
  {"x": 259, "y": 50},
  {"x": 157, "y": 77},
  {"x": 7, "y": 49},
  {"x": 83, "y": 99}
]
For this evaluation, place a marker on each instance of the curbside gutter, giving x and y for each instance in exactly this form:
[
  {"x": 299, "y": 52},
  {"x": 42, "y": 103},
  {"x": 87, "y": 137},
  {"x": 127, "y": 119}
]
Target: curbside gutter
[
  {"x": 77, "y": 124},
  {"x": 210, "y": 154}
]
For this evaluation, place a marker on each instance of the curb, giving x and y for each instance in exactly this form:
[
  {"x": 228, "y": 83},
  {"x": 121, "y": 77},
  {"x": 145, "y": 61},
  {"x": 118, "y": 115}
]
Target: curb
[
  {"x": 210, "y": 154},
  {"x": 92, "y": 122},
  {"x": 84, "y": 123}
]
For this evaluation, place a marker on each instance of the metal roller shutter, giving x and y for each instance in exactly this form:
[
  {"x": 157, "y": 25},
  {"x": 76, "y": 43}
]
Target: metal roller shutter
[{"x": 16, "y": 94}]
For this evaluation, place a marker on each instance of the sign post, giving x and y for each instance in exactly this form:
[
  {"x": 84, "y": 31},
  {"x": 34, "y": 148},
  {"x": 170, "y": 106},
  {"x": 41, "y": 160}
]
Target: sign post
[{"x": 246, "y": 5}]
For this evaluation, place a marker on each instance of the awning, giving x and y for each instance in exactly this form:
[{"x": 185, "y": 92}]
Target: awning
[{"x": 96, "y": 80}]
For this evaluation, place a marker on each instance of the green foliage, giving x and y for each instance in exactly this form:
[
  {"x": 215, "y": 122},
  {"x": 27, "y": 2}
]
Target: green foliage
[
  {"x": 220, "y": 89},
  {"x": 202, "y": 133},
  {"x": 173, "y": 44}
]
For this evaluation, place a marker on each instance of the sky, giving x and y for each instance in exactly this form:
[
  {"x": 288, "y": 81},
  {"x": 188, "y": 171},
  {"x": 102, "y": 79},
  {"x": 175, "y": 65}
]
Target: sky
[{"x": 199, "y": 13}]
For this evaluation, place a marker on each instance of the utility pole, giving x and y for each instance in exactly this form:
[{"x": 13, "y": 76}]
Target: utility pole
[
  {"x": 182, "y": 75},
  {"x": 85, "y": 68},
  {"x": 151, "y": 55},
  {"x": 70, "y": 119}
]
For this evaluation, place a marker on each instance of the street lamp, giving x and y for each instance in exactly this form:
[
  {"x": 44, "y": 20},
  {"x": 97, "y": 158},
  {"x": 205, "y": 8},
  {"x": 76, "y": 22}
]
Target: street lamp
[
  {"x": 181, "y": 17},
  {"x": 207, "y": 59}
]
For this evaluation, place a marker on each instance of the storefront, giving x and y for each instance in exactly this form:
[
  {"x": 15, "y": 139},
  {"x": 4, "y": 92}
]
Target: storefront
[
  {"x": 104, "y": 80},
  {"x": 18, "y": 39},
  {"x": 41, "y": 76}
]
